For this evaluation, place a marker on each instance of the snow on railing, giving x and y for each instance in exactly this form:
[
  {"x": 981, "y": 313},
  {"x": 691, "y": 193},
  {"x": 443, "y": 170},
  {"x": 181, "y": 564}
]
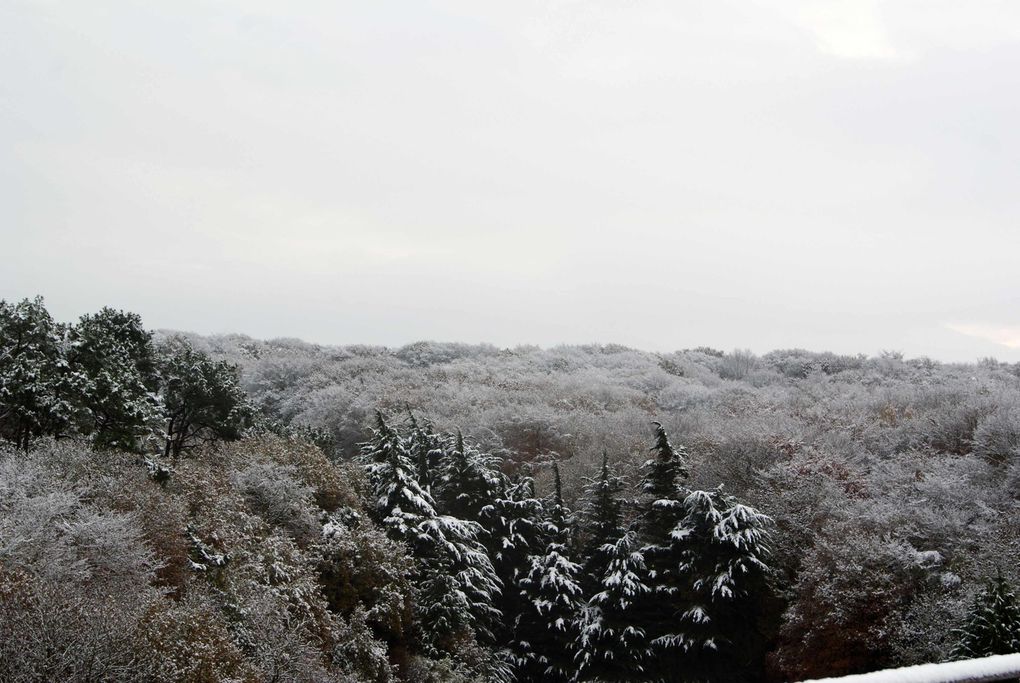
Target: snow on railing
[{"x": 997, "y": 668}]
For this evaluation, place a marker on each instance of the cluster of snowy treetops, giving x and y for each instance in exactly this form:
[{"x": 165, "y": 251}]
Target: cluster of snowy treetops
[
  {"x": 103, "y": 378},
  {"x": 257, "y": 538},
  {"x": 665, "y": 587}
]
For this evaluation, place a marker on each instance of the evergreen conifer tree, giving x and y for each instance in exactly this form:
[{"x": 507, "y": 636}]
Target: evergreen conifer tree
[
  {"x": 664, "y": 473},
  {"x": 705, "y": 558},
  {"x": 468, "y": 481},
  {"x": 515, "y": 532},
  {"x": 992, "y": 626},
  {"x": 663, "y": 605},
  {"x": 113, "y": 374},
  {"x": 612, "y": 644},
  {"x": 602, "y": 527},
  {"x": 546, "y": 631},
  {"x": 722, "y": 546},
  {"x": 399, "y": 501},
  {"x": 34, "y": 387},
  {"x": 458, "y": 584},
  {"x": 202, "y": 398},
  {"x": 426, "y": 449}
]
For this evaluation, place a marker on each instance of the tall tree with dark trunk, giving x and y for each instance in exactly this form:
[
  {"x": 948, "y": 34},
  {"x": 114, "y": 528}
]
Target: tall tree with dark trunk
[{"x": 202, "y": 398}]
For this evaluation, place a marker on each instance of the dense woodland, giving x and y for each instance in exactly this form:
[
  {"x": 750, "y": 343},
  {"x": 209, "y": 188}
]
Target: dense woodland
[{"x": 184, "y": 508}]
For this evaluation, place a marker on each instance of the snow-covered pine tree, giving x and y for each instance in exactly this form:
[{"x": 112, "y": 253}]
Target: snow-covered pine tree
[
  {"x": 992, "y": 626},
  {"x": 442, "y": 608},
  {"x": 399, "y": 502},
  {"x": 546, "y": 631},
  {"x": 458, "y": 585},
  {"x": 612, "y": 644},
  {"x": 661, "y": 608},
  {"x": 202, "y": 398},
  {"x": 114, "y": 379},
  {"x": 468, "y": 479},
  {"x": 602, "y": 518},
  {"x": 663, "y": 475},
  {"x": 426, "y": 449},
  {"x": 34, "y": 390},
  {"x": 722, "y": 546},
  {"x": 515, "y": 531}
]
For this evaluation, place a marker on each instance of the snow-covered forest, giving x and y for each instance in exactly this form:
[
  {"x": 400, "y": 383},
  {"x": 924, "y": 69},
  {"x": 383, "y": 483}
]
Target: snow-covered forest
[{"x": 185, "y": 508}]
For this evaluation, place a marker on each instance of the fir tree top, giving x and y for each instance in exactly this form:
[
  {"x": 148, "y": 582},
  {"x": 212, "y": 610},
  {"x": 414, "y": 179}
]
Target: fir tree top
[
  {"x": 395, "y": 488},
  {"x": 603, "y": 511},
  {"x": 560, "y": 520},
  {"x": 663, "y": 471},
  {"x": 468, "y": 480},
  {"x": 425, "y": 448}
]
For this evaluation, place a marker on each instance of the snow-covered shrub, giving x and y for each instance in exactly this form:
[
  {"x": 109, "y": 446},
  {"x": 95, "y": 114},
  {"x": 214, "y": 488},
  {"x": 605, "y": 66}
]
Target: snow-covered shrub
[
  {"x": 364, "y": 575},
  {"x": 737, "y": 364},
  {"x": 106, "y": 574},
  {"x": 850, "y": 591},
  {"x": 997, "y": 435},
  {"x": 921, "y": 636},
  {"x": 190, "y": 641},
  {"x": 793, "y": 363},
  {"x": 274, "y": 492},
  {"x": 424, "y": 354},
  {"x": 74, "y": 632},
  {"x": 49, "y": 529},
  {"x": 950, "y": 422}
]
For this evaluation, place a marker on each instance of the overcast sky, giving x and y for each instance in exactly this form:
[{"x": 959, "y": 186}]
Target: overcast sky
[{"x": 839, "y": 175}]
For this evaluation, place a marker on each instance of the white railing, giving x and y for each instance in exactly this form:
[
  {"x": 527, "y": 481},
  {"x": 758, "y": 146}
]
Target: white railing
[{"x": 996, "y": 668}]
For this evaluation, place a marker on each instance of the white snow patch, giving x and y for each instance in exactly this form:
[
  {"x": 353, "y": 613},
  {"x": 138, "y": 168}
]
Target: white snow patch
[{"x": 996, "y": 668}]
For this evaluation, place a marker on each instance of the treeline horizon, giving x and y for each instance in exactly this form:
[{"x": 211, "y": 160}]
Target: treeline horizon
[{"x": 408, "y": 349}]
